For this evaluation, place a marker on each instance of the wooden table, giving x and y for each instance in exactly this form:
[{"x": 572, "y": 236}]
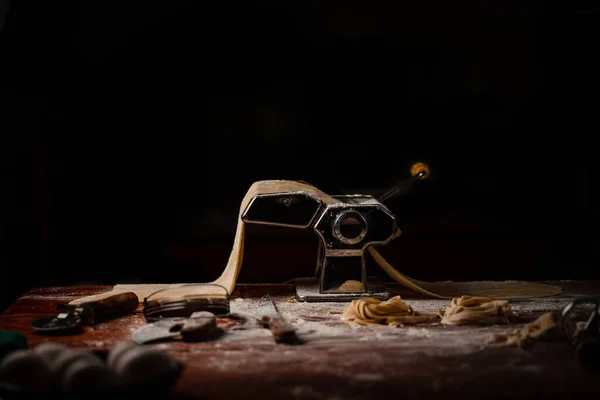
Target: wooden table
[{"x": 340, "y": 360}]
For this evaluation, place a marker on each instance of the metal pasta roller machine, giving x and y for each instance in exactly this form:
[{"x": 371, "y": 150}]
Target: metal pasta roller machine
[{"x": 345, "y": 228}]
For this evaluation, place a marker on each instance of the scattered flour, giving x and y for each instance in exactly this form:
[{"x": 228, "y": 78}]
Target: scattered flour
[{"x": 417, "y": 332}]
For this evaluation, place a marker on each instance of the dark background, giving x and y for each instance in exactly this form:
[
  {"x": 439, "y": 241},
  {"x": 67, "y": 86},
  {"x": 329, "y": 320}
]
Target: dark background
[{"x": 130, "y": 132}]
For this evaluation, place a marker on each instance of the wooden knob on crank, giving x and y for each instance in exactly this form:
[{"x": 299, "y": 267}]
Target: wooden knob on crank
[{"x": 419, "y": 170}]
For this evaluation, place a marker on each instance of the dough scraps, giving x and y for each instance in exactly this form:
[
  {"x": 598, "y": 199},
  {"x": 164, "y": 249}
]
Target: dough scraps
[
  {"x": 351, "y": 286},
  {"x": 544, "y": 328}
]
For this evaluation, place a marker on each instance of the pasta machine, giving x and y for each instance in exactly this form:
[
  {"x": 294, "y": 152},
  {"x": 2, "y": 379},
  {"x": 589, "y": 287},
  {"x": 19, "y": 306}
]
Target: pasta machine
[{"x": 345, "y": 227}]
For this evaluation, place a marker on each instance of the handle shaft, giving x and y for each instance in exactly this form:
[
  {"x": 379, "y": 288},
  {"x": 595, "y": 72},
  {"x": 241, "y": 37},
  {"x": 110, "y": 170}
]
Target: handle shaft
[
  {"x": 111, "y": 306},
  {"x": 419, "y": 171},
  {"x": 283, "y": 331}
]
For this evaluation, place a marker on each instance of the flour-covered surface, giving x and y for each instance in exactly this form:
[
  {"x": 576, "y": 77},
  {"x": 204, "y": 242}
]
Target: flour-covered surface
[{"x": 340, "y": 360}]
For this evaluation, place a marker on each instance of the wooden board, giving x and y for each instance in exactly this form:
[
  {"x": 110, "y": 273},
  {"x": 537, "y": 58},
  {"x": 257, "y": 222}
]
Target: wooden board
[{"x": 339, "y": 360}]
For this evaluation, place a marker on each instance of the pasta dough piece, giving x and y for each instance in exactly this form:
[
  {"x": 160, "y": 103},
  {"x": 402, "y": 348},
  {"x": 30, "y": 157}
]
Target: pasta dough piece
[
  {"x": 448, "y": 290},
  {"x": 468, "y": 310},
  {"x": 443, "y": 290},
  {"x": 393, "y": 312},
  {"x": 228, "y": 277}
]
